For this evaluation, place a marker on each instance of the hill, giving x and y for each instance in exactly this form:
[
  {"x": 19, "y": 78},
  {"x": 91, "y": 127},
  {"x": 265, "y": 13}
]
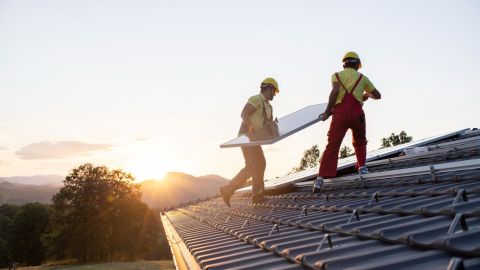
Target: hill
[
  {"x": 178, "y": 187},
  {"x": 19, "y": 194},
  {"x": 38, "y": 180},
  {"x": 174, "y": 189}
]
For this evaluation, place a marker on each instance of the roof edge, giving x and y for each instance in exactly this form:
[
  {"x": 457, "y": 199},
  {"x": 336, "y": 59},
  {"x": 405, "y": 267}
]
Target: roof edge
[{"x": 181, "y": 256}]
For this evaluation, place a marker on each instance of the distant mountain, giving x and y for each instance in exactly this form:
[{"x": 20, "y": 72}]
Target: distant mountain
[
  {"x": 178, "y": 187},
  {"x": 19, "y": 194},
  {"x": 174, "y": 189},
  {"x": 38, "y": 180}
]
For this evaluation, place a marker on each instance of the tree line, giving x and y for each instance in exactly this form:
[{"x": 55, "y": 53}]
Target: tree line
[{"x": 96, "y": 216}]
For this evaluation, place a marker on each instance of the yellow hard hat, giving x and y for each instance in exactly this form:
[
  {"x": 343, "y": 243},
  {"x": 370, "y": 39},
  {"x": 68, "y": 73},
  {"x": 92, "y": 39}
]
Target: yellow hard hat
[
  {"x": 272, "y": 82},
  {"x": 352, "y": 55}
]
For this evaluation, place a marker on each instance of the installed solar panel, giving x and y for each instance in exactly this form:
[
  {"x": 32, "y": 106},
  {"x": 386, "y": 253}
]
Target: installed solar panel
[
  {"x": 284, "y": 127},
  {"x": 350, "y": 161}
]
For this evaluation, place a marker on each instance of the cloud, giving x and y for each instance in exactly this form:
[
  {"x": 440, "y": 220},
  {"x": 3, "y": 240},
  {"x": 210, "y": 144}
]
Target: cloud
[{"x": 59, "y": 150}]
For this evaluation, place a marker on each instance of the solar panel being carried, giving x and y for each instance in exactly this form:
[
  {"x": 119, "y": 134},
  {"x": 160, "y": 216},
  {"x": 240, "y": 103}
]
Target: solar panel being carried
[{"x": 284, "y": 127}]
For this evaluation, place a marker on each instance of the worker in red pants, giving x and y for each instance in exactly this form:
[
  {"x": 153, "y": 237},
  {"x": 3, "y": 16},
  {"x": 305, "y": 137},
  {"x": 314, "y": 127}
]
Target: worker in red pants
[{"x": 350, "y": 90}]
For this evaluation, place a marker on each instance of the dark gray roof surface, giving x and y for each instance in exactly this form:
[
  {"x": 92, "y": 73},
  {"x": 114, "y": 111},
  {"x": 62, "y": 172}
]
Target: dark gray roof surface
[{"x": 401, "y": 220}]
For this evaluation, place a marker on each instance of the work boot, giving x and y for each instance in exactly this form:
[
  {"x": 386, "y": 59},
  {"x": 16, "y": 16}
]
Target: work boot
[
  {"x": 317, "y": 184},
  {"x": 363, "y": 170},
  {"x": 226, "y": 195}
]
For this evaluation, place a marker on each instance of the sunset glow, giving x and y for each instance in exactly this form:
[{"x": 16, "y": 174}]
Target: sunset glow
[
  {"x": 144, "y": 89},
  {"x": 148, "y": 168}
]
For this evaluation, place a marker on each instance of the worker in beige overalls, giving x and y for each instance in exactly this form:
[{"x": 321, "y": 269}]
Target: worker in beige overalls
[{"x": 255, "y": 114}]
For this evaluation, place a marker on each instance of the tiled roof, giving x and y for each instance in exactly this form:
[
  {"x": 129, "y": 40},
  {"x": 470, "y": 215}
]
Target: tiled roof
[{"x": 410, "y": 212}]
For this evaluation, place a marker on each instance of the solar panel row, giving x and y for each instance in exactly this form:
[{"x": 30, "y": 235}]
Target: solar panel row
[{"x": 350, "y": 161}]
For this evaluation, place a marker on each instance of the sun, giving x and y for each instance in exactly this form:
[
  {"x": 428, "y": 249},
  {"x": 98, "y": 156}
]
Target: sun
[
  {"x": 144, "y": 163},
  {"x": 144, "y": 169},
  {"x": 146, "y": 173}
]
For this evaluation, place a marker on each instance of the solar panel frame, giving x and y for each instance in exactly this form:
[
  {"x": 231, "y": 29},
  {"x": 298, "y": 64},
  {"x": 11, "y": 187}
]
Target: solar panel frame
[
  {"x": 471, "y": 164},
  {"x": 441, "y": 148}
]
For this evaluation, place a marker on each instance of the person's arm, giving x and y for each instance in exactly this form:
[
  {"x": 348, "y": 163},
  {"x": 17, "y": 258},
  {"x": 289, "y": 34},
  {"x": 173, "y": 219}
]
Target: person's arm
[
  {"x": 375, "y": 94},
  {"x": 247, "y": 112},
  {"x": 331, "y": 101}
]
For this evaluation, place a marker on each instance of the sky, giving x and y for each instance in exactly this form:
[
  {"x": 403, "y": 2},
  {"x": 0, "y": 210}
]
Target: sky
[{"x": 157, "y": 86}]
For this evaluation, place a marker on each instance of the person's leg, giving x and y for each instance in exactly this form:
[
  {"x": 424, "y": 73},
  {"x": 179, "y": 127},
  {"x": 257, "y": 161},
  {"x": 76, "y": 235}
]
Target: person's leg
[
  {"x": 239, "y": 180},
  {"x": 359, "y": 140},
  {"x": 258, "y": 165},
  {"x": 336, "y": 133},
  {"x": 244, "y": 174}
]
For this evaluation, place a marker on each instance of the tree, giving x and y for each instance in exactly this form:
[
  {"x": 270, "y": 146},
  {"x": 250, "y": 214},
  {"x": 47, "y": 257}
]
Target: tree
[
  {"x": 29, "y": 225},
  {"x": 9, "y": 210},
  {"x": 310, "y": 159},
  {"x": 396, "y": 139},
  {"x": 98, "y": 216},
  {"x": 346, "y": 151},
  {"x": 7, "y": 213},
  {"x": 5, "y": 255}
]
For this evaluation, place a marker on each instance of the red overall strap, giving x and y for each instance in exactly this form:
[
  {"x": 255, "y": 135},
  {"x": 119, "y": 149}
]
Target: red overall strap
[
  {"x": 356, "y": 83},
  {"x": 338, "y": 79},
  {"x": 354, "y": 86},
  {"x": 349, "y": 103}
]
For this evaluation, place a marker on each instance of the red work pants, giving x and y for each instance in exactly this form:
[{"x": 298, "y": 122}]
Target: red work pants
[{"x": 341, "y": 122}]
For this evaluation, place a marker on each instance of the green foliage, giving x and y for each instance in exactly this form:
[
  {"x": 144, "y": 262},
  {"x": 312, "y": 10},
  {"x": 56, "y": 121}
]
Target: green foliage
[
  {"x": 346, "y": 151},
  {"x": 5, "y": 255},
  {"x": 21, "y": 230},
  {"x": 6, "y": 221},
  {"x": 9, "y": 210},
  {"x": 28, "y": 227},
  {"x": 98, "y": 216},
  {"x": 5, "y": 225},
  {"x": 396, "y": 139},
  {"x": 310, "y": 159}
]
